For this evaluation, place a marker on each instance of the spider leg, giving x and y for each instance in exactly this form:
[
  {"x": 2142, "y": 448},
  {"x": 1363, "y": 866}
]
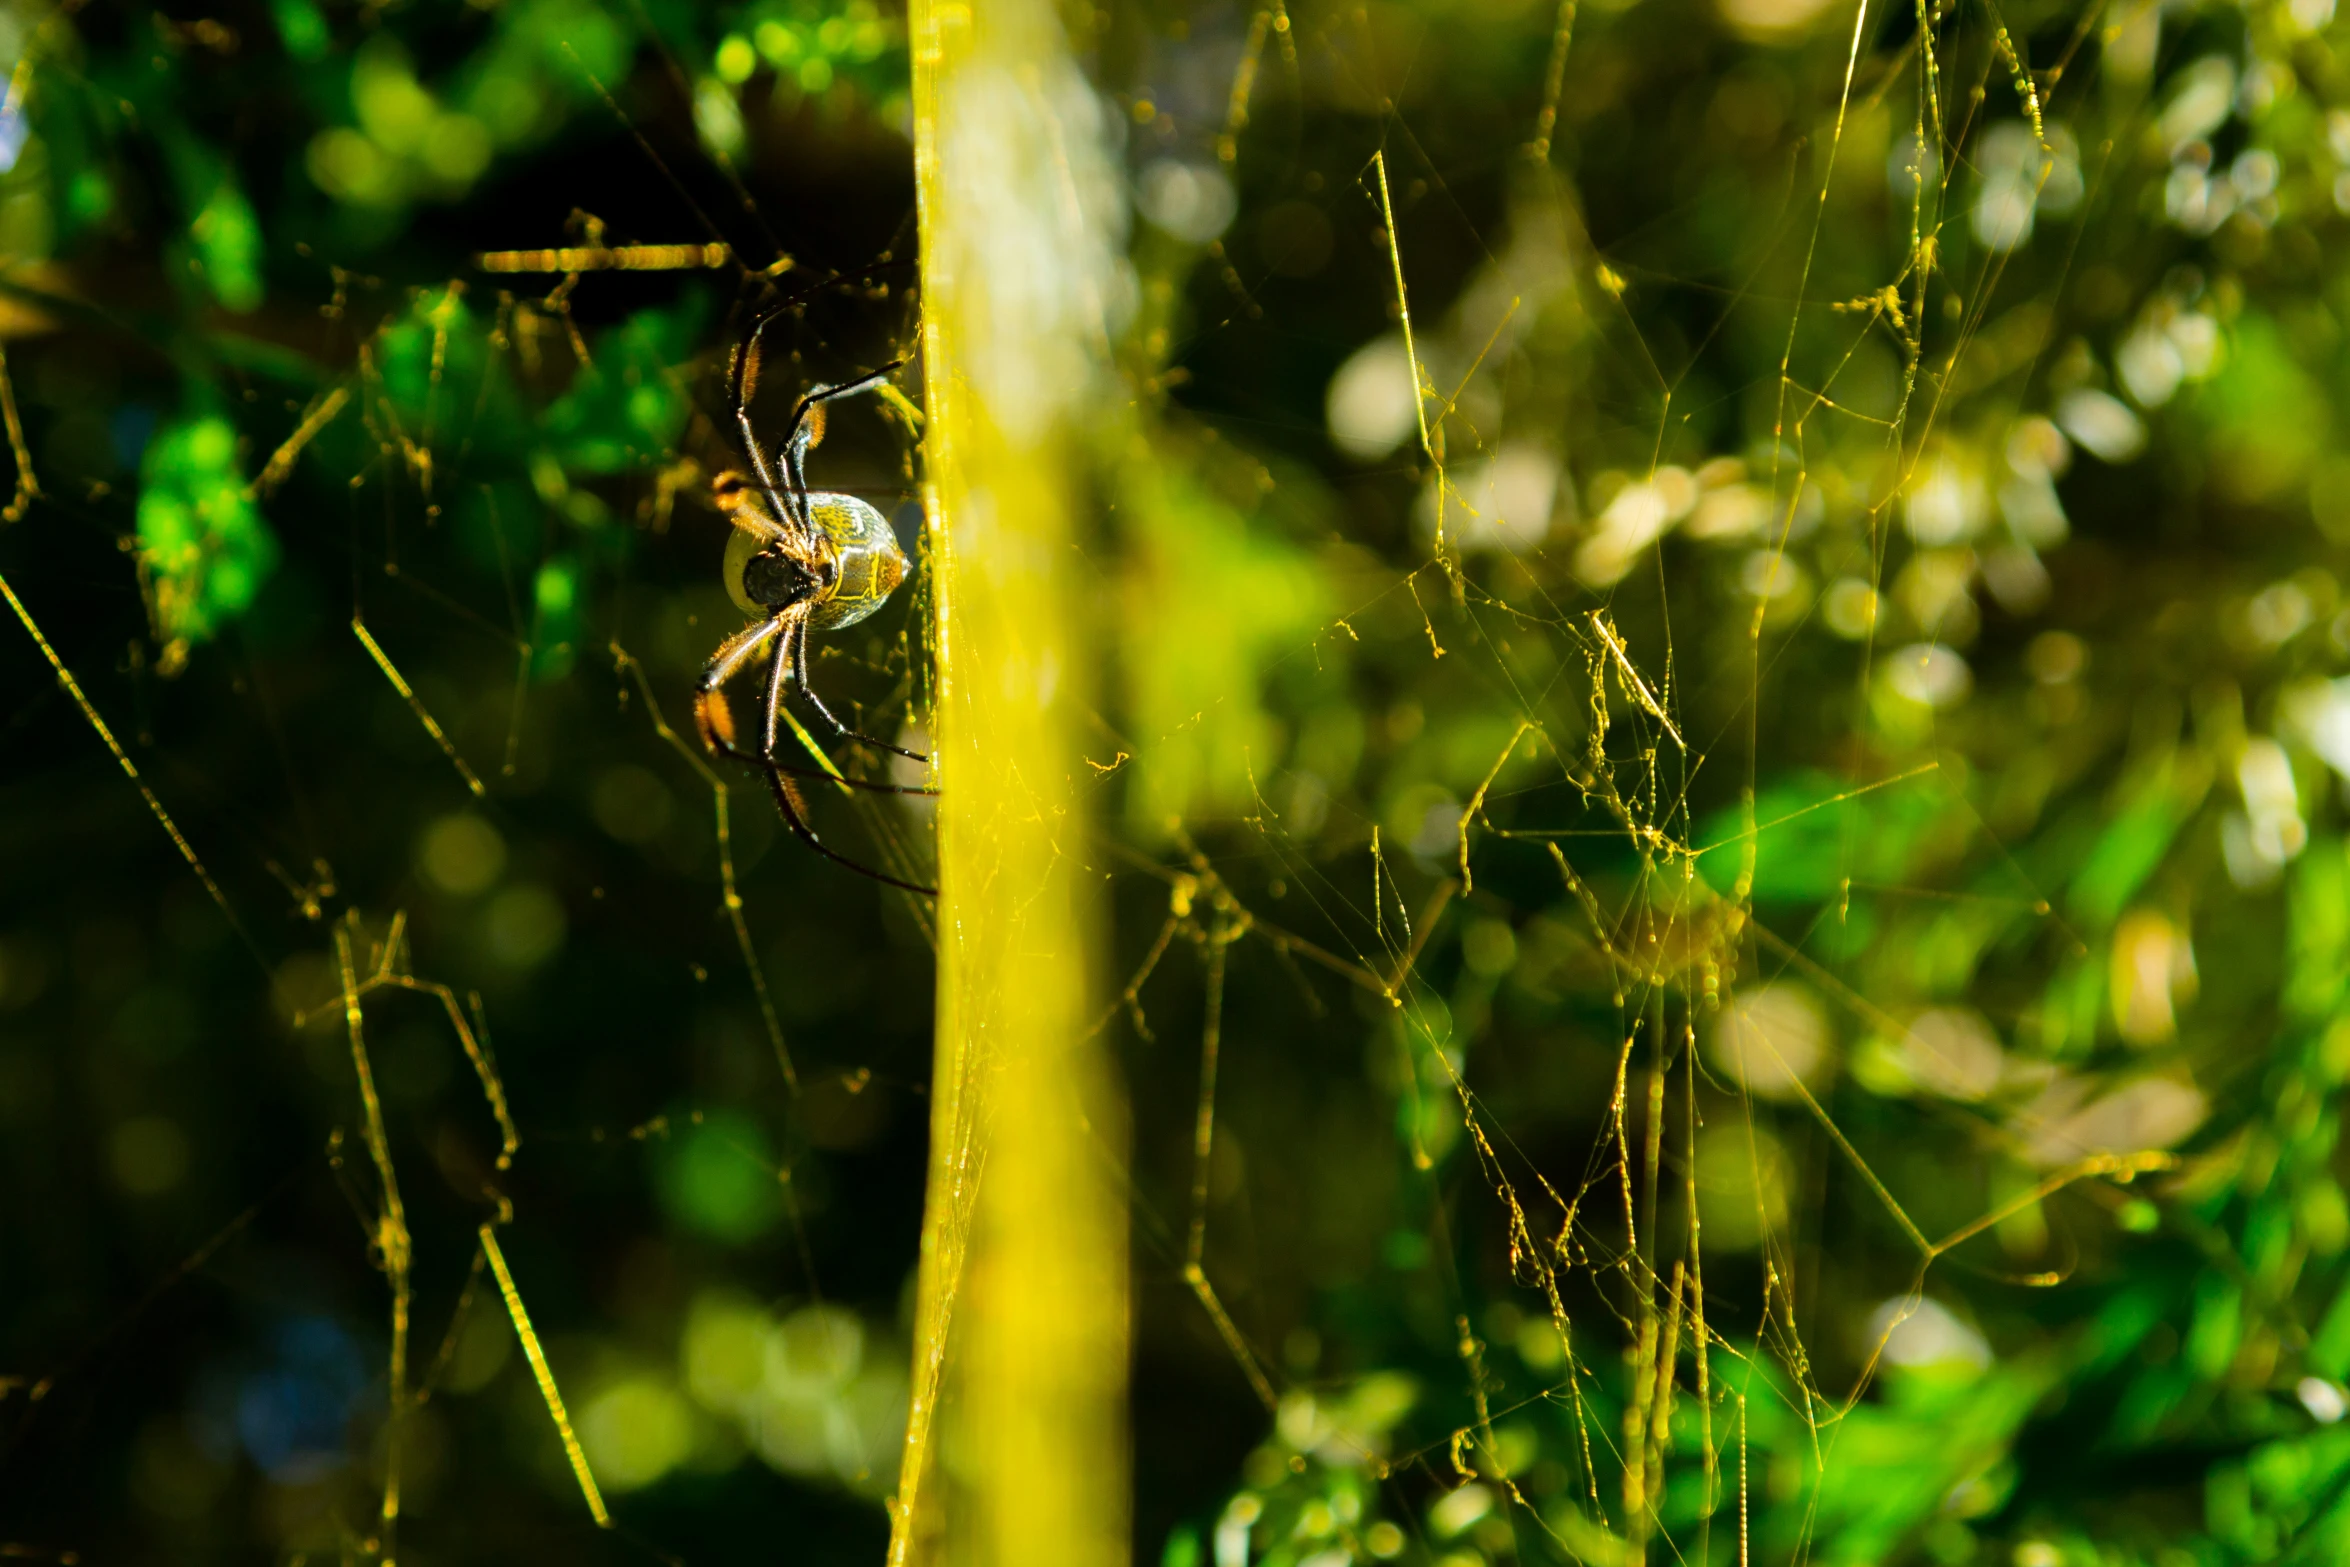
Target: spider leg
[
  {"x": 826, "y": 394},
  {"x": 746, "y": 381},
  {"x": 807, "y": 425},
  {"x": 787, "y": 801},
  {"x": 798, "y": 649},
  {"x": 793, "y": 633},
  {"x": 711, "y": 714},
  {"x": 795, "y": 470},
  {"x": 816, "y": 775},
  {"x": 718, "y": 727}
]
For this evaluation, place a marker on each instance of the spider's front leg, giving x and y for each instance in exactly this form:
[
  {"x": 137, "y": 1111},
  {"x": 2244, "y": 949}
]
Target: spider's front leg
[{"x": 807, "y": 429}]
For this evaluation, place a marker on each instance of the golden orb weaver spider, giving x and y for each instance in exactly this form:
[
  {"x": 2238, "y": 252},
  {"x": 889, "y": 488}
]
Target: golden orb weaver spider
[{"x": 801, "y": 562}]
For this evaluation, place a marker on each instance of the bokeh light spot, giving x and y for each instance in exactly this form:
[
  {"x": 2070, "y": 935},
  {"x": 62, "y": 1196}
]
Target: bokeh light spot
[{"x": 461, "y": 854}]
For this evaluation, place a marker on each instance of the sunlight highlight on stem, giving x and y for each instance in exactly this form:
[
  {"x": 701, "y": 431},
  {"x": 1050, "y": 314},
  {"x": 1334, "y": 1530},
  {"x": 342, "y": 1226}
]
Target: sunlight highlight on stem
[{"x": 1021, "y": 1341}]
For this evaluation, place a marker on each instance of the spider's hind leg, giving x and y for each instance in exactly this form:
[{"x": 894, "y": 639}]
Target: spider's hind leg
[
  {"x": 798, "y": 651},
  {"x": 791, "y": 657},
  {"x": 726, "y": 746},
  {"x": 787, "y": 800},
  {"x": 716, "y": 721},
  {"x": 846, "y": 733},
  {"x": 712, "y": 716}
]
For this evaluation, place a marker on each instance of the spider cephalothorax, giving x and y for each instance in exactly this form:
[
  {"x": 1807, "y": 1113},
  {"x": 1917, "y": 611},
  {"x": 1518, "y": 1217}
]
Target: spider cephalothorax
[{"x": 798, "y": 562}]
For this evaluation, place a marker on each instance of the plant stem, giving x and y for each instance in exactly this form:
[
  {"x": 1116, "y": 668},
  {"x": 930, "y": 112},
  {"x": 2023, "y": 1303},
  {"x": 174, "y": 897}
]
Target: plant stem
[{"x": 1021, "y": 1338}]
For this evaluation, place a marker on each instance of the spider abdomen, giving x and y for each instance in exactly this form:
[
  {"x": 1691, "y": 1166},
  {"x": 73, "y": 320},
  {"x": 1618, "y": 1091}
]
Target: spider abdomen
[{"x": 870, "y": 563}]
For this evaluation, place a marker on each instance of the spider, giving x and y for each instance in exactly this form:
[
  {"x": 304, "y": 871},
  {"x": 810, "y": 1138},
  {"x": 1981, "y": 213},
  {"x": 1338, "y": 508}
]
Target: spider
[{"x": 801, "y": 562}]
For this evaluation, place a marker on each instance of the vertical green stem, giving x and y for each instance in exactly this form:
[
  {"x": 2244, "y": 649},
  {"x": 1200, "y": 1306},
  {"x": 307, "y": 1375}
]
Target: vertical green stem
[{"x": 1021, "y": 1341}]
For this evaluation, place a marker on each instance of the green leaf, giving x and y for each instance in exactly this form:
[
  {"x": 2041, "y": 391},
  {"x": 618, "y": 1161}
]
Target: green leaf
[
  {"x": 716, "y": 1178},
  {"x": 1210, "y": 600},
  {"x": 202, "y": 541}
]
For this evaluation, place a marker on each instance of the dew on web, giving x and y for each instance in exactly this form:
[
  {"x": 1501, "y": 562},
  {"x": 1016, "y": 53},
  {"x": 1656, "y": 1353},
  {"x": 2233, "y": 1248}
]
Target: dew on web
[{"x": 1448, "y": 754}]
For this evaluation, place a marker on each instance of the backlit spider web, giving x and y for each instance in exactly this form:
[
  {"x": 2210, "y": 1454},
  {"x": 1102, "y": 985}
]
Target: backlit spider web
[
  {"x": 413, "y": 830},
  {"x": 1525, "y": 761},
  {"x": 1601, "y": 731}
]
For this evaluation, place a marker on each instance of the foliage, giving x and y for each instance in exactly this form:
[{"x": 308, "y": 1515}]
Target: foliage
[{"x": 1752, "y": 805}]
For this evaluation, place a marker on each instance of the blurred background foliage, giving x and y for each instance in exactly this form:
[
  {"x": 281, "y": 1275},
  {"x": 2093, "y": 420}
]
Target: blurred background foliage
[{"x": 1756, "y": 803}]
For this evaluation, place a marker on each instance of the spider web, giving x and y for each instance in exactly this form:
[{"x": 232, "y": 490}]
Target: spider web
[
  {"x": 1538, "y": 1158},
  {"x": 498, "y": 461},
  {"x": 1608, "y": 1402}
]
